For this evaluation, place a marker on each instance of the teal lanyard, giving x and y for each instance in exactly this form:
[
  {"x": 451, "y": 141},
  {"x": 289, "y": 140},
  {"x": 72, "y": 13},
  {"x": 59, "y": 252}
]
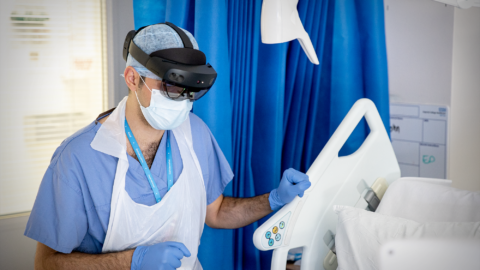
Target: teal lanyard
[
  {"x": 169, "y": 163},
  {"x": 140, "y": 157}
]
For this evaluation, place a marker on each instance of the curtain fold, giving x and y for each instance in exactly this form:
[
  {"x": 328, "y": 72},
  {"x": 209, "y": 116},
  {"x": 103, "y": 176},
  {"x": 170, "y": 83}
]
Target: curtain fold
[
  {"x": 372, "y": 29},
  {"x": 268, "y": 124},
  {"x": 210, "y": 30},
  {"x": 244, "y": 23},
  {"x": 146, "y": 12},
  {"x": 270, "y": 108}
]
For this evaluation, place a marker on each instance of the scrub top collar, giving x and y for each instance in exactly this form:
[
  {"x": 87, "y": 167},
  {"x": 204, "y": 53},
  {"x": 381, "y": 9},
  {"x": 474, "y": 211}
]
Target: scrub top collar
[{"x": 156, "y": 169}]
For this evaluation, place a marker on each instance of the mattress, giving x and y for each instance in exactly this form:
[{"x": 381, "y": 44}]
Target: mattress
[{"x": 429, "y": 200}]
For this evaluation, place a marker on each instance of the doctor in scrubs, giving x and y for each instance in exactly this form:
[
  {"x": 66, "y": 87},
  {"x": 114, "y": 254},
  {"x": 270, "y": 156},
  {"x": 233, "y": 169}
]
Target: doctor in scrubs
[{"x": 134, "y": 188}]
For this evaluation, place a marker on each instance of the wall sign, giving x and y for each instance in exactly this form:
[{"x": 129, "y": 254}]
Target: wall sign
[{"x": 419, "y": 139}]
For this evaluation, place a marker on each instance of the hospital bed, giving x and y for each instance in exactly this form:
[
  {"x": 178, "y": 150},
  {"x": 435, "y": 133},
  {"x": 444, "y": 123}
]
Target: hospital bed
[{"x": 360, "y": 180}]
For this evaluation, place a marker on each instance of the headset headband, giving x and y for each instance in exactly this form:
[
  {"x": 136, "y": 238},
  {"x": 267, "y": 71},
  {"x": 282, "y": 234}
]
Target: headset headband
[{"x": 130, "y": 47}]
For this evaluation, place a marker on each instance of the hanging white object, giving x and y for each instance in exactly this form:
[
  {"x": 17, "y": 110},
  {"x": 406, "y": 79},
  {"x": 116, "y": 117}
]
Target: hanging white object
[
  {"x": 280, "y": 23},
  {"x": 310, "y": 221},
  {"x": 463, "y": 4}
]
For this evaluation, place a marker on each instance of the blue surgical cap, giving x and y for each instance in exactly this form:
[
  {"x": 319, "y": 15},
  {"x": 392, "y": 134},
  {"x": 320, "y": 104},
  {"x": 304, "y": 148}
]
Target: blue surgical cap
[{"x": 154, "y": 38}]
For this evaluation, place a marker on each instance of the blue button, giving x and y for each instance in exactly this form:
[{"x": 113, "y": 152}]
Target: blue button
[
  {"x": 270, "y": 242},
  {"x": 278, "y": 237},
  {"x": 268, "y": 235},
  {"x": 282, "y": 225}
]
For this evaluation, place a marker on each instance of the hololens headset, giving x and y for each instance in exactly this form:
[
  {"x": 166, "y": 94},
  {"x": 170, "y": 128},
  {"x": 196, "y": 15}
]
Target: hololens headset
[{"x": 184, "y": 71}]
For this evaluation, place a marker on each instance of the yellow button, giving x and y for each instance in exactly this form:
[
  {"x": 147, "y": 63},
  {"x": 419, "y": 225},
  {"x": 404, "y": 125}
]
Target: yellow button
[{"x": 275, "y": 229}]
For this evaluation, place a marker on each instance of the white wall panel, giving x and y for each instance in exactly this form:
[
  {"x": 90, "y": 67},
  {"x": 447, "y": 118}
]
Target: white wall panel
[
  {"x": 419, "y": 37},
  {"x": 465, "y": 109}
]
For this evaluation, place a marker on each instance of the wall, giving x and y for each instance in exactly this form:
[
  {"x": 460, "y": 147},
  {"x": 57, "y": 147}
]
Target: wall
[
  {"x": 434, "y": 58},
  {"x": 419, "y": 37},
  {"x": 119, "y": 23},
  {"x": 17, "y": 251},
  {"x": 465, "y": 101}
]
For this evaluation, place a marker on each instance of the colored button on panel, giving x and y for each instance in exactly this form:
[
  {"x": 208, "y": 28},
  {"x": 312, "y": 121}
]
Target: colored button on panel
[
  {"x": 275, "y": 229},
  {"x": 278, "y": 237},
  {"x": 268, "y": 235},
  {"x": 282, "y": 225},
  {"x": 270, "y": 242}
]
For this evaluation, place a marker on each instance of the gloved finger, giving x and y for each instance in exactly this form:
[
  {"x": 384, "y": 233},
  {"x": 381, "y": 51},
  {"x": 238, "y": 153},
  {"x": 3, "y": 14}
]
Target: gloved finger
[
  {"x": 293, "y": 176},
  {"x": 177, "y": 253},
  {"x": 302, "y": 186},
  {"x": 301, "y": 194},
  {"x": 175, "y": 263},
  {"x": 182, "y": 248}
]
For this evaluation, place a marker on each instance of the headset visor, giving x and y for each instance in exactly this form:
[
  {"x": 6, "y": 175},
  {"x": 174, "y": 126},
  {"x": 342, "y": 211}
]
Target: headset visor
[{"x": 178, "y": 92}]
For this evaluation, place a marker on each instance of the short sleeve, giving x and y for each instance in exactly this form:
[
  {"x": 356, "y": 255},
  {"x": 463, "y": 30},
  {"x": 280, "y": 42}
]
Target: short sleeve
[
  {"x": 58, "y": 218},
  {"x": 217, "y": 172},
  {"x": 220, "y": 173}
]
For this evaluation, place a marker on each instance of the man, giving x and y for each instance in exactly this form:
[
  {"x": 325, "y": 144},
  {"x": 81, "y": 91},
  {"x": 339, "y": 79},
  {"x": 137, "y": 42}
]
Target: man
[{"x": 133, "y": 189}]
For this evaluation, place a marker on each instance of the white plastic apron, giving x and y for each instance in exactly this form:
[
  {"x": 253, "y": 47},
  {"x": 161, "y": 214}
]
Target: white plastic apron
[{"x": 179, "y": 217}]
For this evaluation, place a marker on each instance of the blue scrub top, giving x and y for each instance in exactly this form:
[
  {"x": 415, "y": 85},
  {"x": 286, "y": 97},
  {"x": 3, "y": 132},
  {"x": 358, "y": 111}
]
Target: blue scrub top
[{"x": 72, "y": 208}]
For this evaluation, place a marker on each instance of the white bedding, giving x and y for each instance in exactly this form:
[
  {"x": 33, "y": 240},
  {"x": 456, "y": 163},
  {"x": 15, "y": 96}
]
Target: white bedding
[
  {"x": 361, "y": 233},
  {"x": 428, "y": 200},
  {"x": 411, "y": 208}
]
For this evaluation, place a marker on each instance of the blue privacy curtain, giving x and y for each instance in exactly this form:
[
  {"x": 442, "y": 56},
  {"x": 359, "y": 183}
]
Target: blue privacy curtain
[
  {"x": 270, "y": 108},
  {"x": 349, "y": 38}
]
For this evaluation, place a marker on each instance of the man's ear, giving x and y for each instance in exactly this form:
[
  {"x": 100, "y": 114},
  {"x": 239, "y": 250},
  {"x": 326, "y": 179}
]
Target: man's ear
[{"x": 131, "y": 78}]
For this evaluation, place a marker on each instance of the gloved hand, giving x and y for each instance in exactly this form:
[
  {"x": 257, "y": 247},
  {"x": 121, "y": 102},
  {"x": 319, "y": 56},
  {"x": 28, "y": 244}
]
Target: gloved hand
[
  {"x": 293, "y": 183},
  {"x": 161, "y": 256}
]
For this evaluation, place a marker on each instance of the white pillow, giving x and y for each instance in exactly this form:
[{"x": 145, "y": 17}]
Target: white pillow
[
  {"x": 360, "y": 234},
  {"x": 424, "y": 200}
]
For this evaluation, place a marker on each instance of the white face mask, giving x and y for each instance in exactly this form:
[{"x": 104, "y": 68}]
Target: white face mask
[{"x": 164, "y": 113}]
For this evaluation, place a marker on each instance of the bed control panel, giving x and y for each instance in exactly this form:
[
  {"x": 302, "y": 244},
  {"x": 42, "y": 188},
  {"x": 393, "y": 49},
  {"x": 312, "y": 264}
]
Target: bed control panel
[{"x": 274, "y": 236}]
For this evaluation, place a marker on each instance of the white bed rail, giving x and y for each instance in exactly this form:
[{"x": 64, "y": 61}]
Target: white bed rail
[{"x": 310, "y": 222}]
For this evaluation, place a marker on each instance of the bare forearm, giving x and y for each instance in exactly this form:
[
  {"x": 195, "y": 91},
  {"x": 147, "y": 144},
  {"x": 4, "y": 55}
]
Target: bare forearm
[
  {"x": 47, "y": 258},
  {"x": 239, "y": 212}
]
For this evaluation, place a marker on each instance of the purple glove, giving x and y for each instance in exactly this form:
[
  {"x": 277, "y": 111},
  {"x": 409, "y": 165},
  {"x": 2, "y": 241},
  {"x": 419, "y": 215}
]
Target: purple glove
[
  {"x": 161, "y": 256},
  {"x": 293, "y": 183}
]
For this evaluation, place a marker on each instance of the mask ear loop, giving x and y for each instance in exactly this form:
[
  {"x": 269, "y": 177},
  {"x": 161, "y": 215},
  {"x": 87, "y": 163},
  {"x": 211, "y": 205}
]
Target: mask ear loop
[
  {"x": 136, "y": 92},
  {"x": 145, "y": 84}
]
